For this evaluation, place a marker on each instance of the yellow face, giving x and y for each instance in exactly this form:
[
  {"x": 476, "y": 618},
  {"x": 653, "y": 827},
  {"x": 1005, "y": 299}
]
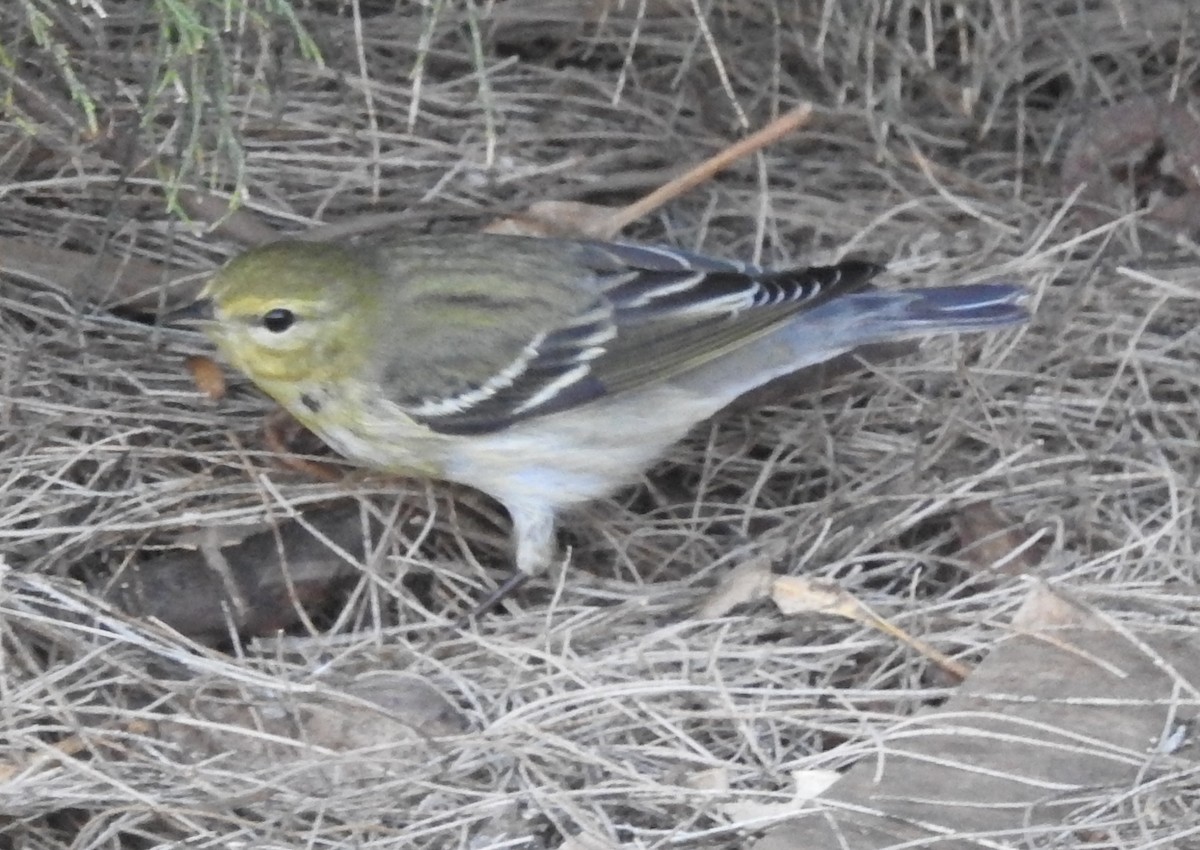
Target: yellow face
[{"x": 292, "y": 312}]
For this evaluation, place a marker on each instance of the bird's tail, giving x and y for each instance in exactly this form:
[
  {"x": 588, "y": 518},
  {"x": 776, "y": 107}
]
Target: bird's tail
[
  {"x": 875, "y": 316},
  {"x": 855, "y": 320}
]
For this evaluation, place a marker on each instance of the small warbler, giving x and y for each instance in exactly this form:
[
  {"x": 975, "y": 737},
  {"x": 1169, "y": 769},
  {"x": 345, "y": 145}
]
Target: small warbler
[{"x": 544, "y": 372}]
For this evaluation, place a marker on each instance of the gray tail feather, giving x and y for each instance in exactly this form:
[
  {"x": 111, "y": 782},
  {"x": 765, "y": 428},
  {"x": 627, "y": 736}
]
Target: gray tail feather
[
  {"x": 942, "y": 309},
  {"x": 848, "y": 322}
]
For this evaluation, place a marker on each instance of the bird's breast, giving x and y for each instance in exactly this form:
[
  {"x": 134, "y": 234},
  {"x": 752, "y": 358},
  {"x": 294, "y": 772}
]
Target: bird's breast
[{"x": 352, "y": 421}]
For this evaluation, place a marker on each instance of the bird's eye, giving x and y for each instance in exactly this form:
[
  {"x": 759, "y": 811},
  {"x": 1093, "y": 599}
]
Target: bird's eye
[{"x": 278, "y": 320}]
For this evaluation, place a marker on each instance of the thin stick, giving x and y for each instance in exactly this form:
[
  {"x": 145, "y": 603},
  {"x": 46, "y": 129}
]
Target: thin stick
[{"x": 756, "y": 141}]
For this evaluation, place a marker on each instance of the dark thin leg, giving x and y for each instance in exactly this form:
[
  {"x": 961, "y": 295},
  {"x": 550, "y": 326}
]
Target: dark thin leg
[{"x": 494, "y": 598}]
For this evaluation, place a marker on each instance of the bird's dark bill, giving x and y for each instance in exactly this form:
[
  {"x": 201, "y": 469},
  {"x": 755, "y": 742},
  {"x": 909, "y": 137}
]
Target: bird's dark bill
[{"x": 199, "y": 312}]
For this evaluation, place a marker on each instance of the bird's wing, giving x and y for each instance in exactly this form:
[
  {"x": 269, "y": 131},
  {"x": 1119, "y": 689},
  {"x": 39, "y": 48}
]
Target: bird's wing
[{"x": 590, "y": 319}]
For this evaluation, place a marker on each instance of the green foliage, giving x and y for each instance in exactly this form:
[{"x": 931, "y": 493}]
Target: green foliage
[{"x": 166, "y": 70}]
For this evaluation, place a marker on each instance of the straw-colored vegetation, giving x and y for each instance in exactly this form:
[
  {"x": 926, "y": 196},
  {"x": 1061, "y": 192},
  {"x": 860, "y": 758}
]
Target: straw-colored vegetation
[{"x": 948, "y": 140}]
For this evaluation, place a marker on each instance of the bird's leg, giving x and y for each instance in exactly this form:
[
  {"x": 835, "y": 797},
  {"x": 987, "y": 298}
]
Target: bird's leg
[
  {"x": 535, "y": 533},
  {"x": 509, "y": 585}
]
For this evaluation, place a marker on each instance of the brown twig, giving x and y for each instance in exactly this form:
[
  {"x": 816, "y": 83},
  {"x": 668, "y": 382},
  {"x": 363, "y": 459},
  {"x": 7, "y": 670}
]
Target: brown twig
[{"x": 756, "y": 141}]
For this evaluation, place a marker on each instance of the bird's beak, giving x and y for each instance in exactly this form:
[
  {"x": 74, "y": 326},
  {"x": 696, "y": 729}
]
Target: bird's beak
[{"x": 196, "y": 314}]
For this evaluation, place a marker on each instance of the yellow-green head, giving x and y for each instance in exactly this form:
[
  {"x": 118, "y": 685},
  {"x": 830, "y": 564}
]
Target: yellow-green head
[{"x": 294, "y": 311}]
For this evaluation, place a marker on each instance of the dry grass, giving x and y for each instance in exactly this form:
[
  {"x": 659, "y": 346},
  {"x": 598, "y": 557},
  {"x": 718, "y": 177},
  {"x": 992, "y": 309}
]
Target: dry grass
[{"x": 593, "y": 705}]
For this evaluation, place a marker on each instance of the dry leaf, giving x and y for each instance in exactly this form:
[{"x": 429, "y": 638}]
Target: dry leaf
[
  {"x": 1147, "y": 144},
  {"x": 571, "y": 219},
  {"x": 1045, "y": 610},
  {"x": 796, "y": 595},
  {"x": 990, "y": 543},
  {"x": 1072, "y": 705},
  {"x": 748, "y": 582},
  {"x": 713, "y": 779},
  {"x": 254, "y": 586},
  {"x": 207, "y": 375},
  {"x": 410, "y": 699},
  {"x": 226, "y": 220},
  {"x": 809, "y": 784},
  {"x": 384, "y": 720}
]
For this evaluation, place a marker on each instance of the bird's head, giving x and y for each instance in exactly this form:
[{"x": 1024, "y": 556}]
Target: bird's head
[{"x": 290, "y": 311}]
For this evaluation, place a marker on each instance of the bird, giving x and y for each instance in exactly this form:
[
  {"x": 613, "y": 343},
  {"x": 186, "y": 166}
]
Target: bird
[{"x": 544, "y": 372}]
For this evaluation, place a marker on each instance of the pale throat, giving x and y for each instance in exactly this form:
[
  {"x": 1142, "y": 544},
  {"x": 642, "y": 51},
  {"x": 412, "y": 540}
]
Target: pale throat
[{"x": 348, "y": 417}]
